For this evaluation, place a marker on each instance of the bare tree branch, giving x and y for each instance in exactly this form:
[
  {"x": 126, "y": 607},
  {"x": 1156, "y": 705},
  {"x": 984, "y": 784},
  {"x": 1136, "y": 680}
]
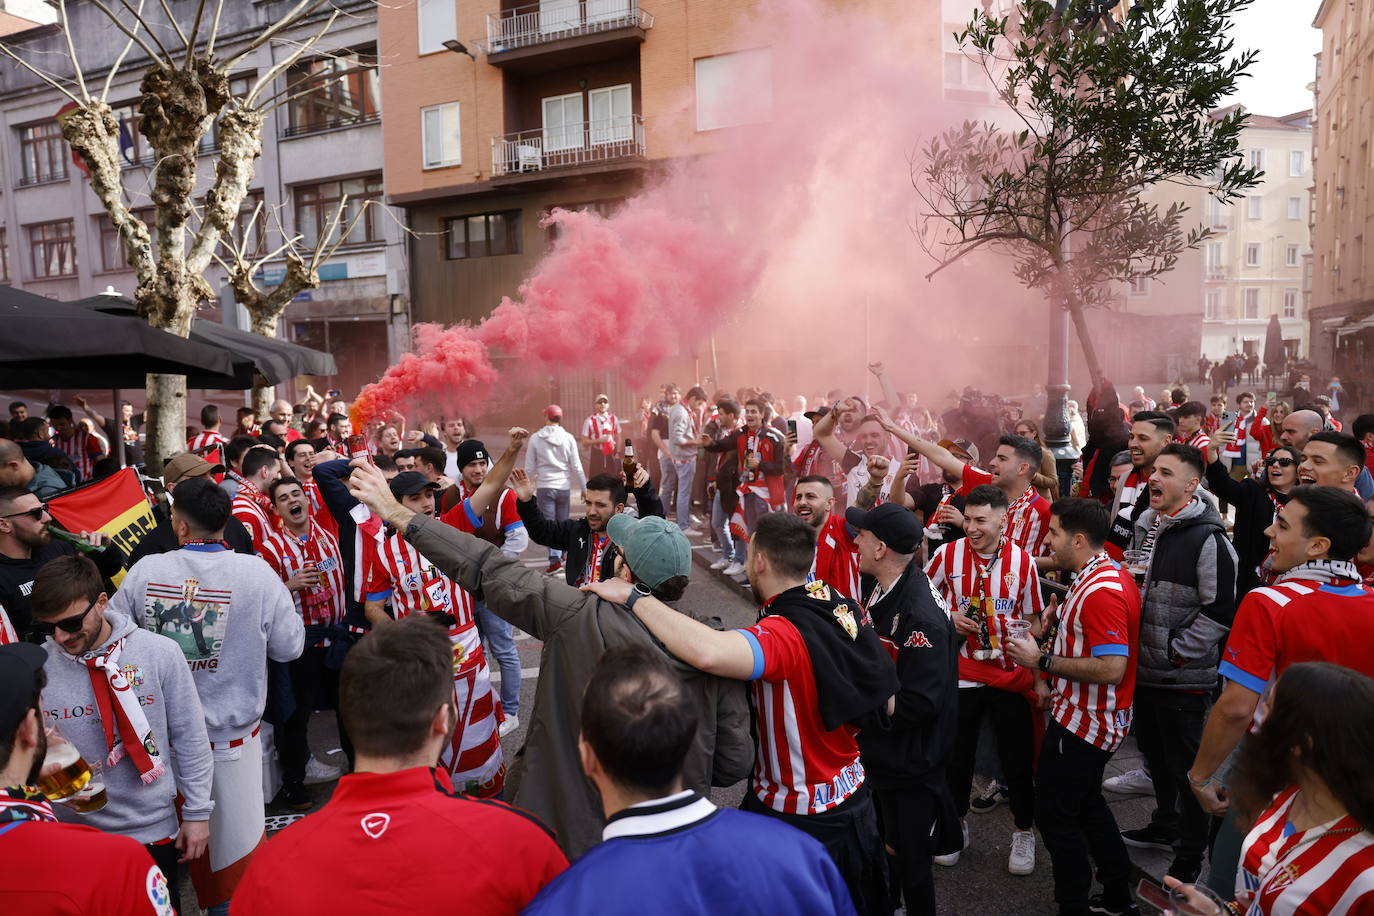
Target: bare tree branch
[
  {"x": 132, "y": 33},
  {"x": 214, "y": 29},
  {"x": 71, "y": 50},
  {"x": 50, "y": 80},
  {"x": 114, "y": 68},
  {"x": 295, "y": 14},
  {"x": 282, "y": 65},
  {"x": 175, "y": 25}
]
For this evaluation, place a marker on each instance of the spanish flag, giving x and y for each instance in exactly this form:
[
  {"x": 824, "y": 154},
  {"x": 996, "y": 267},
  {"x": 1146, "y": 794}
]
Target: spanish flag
[{"x": 115, "y": 506}]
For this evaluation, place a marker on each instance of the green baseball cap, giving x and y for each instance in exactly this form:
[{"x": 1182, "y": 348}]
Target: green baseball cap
[{"x": 655, "y": 548}]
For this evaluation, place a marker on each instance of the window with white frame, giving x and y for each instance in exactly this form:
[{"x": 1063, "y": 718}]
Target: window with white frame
[
  {"x": 563, "y": 122},
  {"x": 1213, "y": 257},
  {"x": 1290, "y": 303},
  {"x": 962, "y": 71},
  {"x": 1217, "y": 212},
  {"x": 441, "y": 135},
  {"x": 1297, "y": 162},
  {"x": 1257, "y": 159},
  {"x": 734, "y": 89},
  {"x": 610, "y": 115},
  {"x": 1140, "y": 286},
  {"x": 1252, "y": 297},
  {"x": 1252, "y": 254},
  {"x": 1295, "y": 208},
  {"x": 1254, "y": 207},
  {"x": 438, "y": 20},
  {"x": 1290, "y": 256},
  {"x": 1210, "y": 303}
]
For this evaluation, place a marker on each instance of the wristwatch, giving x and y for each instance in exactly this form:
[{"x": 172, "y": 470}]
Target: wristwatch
[
  {"x": 639, "y": 590},
  {"x": 1045, "y": 658}
]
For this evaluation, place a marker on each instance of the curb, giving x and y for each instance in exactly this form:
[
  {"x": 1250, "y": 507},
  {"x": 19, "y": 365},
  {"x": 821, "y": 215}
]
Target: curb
[{"x": 703, "y": 556}]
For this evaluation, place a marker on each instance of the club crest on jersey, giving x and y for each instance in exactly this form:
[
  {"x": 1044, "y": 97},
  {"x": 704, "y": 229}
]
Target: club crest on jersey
[
  {"x": 1286, "y": 876},
  {"x": 917, "y": 640},
  {"x": 1010, "y": 580},
  {"x": 845, "y": 616},
  {"x": 818, "y": 589}
]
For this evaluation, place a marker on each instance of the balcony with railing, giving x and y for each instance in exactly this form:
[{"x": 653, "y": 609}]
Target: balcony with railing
[
  {"x": 559, "y": 33},
  {"x": 585, "y": 146}
]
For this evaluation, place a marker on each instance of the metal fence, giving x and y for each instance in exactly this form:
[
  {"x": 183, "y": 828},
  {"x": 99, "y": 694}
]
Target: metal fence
[{"x": 554, "y": 20}]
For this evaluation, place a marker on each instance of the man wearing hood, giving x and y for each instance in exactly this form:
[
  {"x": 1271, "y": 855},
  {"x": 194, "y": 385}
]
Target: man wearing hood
[
  {"x": 121, "y": 693},
  {"x": 1188, "y": 600}
]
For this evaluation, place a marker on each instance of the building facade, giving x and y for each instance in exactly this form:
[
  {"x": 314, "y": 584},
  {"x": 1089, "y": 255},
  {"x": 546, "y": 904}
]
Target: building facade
[
  {"x": 1253, "y": 265},
  {"x": 318, "y": 147},
  {"x": 1341, "y": 319}
]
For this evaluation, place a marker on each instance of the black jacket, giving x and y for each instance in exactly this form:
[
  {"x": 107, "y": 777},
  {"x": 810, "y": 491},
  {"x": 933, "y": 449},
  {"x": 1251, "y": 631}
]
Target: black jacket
[
  {"x": 1254, "y": 513},
  {"x": 574, "y": 535},
  {"x": 913, "y": 622},
  {"x": 16, "y": 577},
  {"x": 163, "y": 539}
]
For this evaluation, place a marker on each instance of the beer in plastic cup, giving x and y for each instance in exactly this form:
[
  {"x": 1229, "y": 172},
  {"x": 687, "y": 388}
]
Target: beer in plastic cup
[{"x": 1017, "y": 629}]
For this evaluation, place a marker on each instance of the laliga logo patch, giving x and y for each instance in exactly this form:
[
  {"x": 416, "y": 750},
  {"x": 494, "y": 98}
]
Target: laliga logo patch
[
  {"x": 155, "y": 884},
  {"x": 374, "y": 825},
  {"x": 846, "y": 619}
]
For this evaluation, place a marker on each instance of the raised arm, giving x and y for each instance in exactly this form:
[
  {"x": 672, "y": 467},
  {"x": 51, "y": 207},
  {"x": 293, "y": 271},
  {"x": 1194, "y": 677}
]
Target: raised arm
[
  {"x": 494, "y": 484},
  {"x": 823, "y": 432},
  {"x": 939, "y": 456},
  {"x": 889, "y": 392}
]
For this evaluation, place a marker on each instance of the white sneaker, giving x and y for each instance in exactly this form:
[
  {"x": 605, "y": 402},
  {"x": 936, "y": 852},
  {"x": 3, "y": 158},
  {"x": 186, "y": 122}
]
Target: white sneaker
[
  {"x": 721, "y": 563},
  {"x": 1022, "y": 858},
  {"x": 734, "y": 569},
  {"x": 317, "y": 771},
  {"x": 1131, "y": 782},
  {"x": 953, "y": 857},
  {"x": 508, "y": 725}
]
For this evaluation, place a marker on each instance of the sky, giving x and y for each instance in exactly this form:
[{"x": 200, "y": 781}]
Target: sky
[{"x": 1282, "y": 32}]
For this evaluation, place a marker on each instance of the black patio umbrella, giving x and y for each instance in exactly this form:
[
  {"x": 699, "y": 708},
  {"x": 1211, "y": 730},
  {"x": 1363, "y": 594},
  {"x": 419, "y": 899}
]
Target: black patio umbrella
[
  {"x": 1274, "y": 353},
  {"x": 256, "y": 359},
  {"x": 49, "y": 344}
]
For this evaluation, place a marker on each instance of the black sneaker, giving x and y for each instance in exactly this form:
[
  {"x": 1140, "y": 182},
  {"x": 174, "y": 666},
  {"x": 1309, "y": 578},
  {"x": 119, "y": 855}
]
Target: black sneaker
[
  {"x": 992, "y": 796},
  {"x": 293, "y": 797},
  {"x": 1149, "y": 837},
  {"x": 1100, "y": 905}
]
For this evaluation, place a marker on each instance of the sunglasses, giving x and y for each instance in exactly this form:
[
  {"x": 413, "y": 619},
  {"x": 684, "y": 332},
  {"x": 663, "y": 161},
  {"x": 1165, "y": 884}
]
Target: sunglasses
[
  {"x": 66, "y": 624},
  {"x": 36, "y": 513},
  {"x": 1281, "y": 462}
]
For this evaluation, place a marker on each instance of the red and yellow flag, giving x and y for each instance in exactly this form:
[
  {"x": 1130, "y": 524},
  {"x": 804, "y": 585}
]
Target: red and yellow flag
[{"x": 115, "y": 506}]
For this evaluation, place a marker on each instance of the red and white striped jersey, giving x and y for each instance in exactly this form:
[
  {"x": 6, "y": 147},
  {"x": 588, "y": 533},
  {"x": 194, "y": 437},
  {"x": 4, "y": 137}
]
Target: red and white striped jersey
[
  {"x": 318, "y": 510},
  {"x": 1003, "y": 586},
  {"x": 1028, "y": 516},
  {"x": 252, "y": 507},
  {"x": 204, "y": 439},
  {"x": 83, "y": 449},
  {"x": 1326, "y": 870},
  {"x": 1199, "y": 440},
  {"x": 402, "y": 574},
  {"x": 837, "y": 559},
  {"x": 596, "y": 426},
  {"x": 7, "y": 632},
  {"x": 799, "y": 766},
  {"x": 1100, "y": 616},
  {"x": 286, "y": 554}
]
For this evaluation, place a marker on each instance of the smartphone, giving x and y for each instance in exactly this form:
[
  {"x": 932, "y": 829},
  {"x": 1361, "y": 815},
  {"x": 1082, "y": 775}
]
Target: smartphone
[
  {"x": 912, "y": 453},
  {"x": 1153, "y": 894},
  {"x": 792, "y": 428}
]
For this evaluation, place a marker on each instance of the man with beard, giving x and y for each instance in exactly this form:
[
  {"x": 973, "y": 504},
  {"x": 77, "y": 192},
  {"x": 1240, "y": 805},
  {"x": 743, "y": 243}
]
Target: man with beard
[
  {"x": 1150, "y": 433},
  {"x": 818, "y": 675},
  {"x": 306, "y": 556},
  {"x": 26, "y": 544},
  {"x": 837, "y": 557},
  {"x": 940, "y": 505},
  {"x": 1187, "y": 605},
  {"x": 149, "y": 718},
  {"x": 584, "y": 540},
  {"x": 163, "y": 538},
  {"x": 36, "y": 851},
  {"x": 1011, "y": 469},
  {"x": 454, "y": 431},
  {"x": 871, "y": 441}
]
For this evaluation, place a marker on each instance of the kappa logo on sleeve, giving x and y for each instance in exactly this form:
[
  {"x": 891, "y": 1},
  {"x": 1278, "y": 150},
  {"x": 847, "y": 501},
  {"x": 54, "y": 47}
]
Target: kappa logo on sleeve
[{"x": 918, "y": 640}]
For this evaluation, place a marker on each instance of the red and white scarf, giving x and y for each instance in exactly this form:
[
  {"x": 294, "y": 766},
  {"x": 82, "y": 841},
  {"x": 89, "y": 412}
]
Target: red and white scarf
[
  {"x": 127, "y": 731},
  {"x": 603, "y": 426},
  {"x": 24, "y": 803},
  {"x": 592, "y": 571}
]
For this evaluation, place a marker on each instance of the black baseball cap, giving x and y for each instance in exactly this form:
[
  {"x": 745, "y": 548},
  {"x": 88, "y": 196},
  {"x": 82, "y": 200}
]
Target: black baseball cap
[
  {"x": 19, "y": 662},
  {"x": 408, "y": 483},
  {"x": 896, "y": 527},
  {"x": 468, "y": 451}
]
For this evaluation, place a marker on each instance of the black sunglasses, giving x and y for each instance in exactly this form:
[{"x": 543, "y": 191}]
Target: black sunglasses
[
  {"x": 66, "y": 624},
  {"x": 36, "y": 513},
  {"x": 1281, "y": 462}
]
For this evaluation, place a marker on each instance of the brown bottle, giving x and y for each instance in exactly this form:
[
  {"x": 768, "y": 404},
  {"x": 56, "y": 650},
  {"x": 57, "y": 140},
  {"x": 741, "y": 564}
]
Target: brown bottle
[{"x": 628, "y": 465}]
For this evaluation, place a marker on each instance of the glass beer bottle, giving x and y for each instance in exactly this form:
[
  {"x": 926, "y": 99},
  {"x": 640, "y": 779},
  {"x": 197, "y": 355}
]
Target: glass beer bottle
[{"x": 629, "y": 466}]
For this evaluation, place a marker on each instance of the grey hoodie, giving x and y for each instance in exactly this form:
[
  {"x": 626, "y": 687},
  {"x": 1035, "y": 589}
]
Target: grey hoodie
[
  {"x": 155, "y": 667},
  {"x": 229, "y": 613},
  {"x": 553, "y": 460}
]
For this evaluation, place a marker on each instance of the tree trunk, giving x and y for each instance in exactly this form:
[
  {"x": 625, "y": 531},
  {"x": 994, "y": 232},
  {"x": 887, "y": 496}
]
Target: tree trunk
[
  {"x": 1080, "y": 324},
  {"x": 166, "y": 420},
  {"x": 264, "y": 323}
]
